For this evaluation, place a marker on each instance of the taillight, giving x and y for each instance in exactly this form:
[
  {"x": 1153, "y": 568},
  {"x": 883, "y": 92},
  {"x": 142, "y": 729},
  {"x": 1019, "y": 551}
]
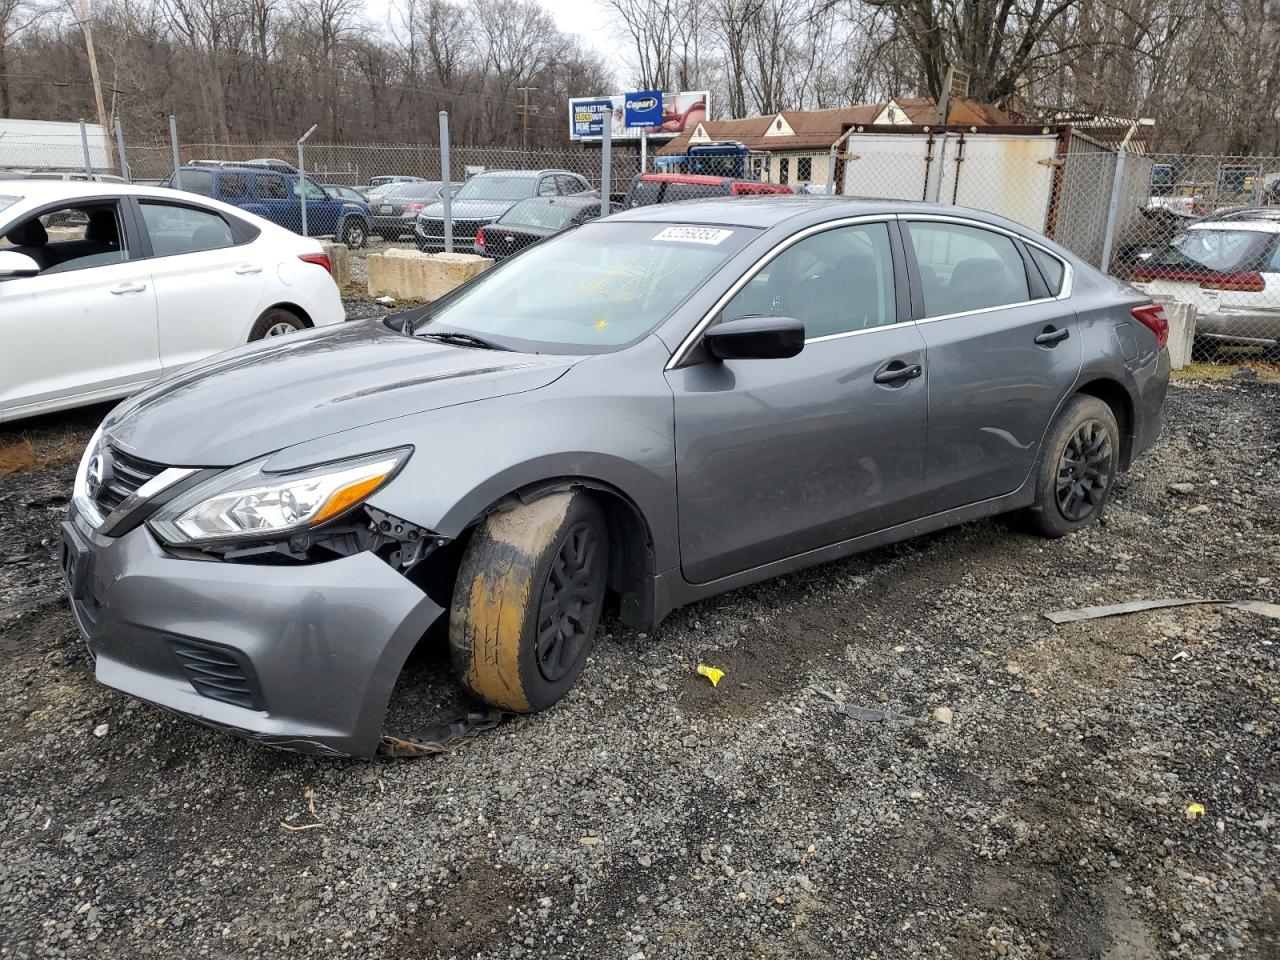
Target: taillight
[
  {"x": 1239, "y": 282},
  {"x": 414, "y": 207},
  {"x": 480, "y": 237},
  {"x": 1245, "y": 282},
  {"x": 1151, "y": 316},
  {"x": 319, "y": 259}
]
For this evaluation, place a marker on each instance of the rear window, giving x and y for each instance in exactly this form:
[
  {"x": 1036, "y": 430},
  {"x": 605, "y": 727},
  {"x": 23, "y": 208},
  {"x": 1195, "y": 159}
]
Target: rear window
[
  {"x": 539, "y": 213},
  {"x": 8, "y": 201},
  {"x": 194, "y": 181},
  {"x": 1217, "y": 251}
]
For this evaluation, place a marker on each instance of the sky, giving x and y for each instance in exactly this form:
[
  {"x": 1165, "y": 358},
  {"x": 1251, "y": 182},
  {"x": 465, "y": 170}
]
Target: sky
[{"x": 587, "y": 19}]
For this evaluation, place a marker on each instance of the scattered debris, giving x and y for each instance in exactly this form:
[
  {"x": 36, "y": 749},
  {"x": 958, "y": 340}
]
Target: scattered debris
[
  {"x": 1244, "y": 373},
  {"x": 943, "y": 715},
  {"x": 1198, "y": 509},
  {"x": 589, "y": 841},
  {"x": 1182, "y": 488},
  {"x": 298, "y": 829},
  {"x": 385, "y": 301},
  {"x": 101, "y": 730},
  {"x": 310, "y": 795},
  {"x": 1194, "y": 812},
  {"x": 1260, "y": 607},
  {"x": 714, "y": 674},
  {"x": 868, "y": 714},
  {"x": 442, "y": 737}
]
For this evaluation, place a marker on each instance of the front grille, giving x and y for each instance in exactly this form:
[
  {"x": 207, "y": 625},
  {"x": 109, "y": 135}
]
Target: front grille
[
  {"x": 218, "y": 673},
  {"x": 124, "y": 474},
  {"x": 464, "y": 231}
]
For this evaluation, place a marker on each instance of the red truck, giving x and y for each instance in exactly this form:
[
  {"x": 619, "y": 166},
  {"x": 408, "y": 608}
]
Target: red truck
[{"x": 669, "y": 187}]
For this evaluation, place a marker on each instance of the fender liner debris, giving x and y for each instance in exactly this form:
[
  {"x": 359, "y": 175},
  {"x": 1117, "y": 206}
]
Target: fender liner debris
[{"x": 441, "y": 738}]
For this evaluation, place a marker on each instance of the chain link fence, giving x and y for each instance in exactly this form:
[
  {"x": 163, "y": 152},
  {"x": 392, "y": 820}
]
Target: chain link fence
[{"x": 1203, "y": 231}]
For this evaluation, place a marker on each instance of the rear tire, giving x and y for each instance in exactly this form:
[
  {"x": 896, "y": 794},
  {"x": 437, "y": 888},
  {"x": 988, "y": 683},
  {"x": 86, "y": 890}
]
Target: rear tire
[
  {"x": 527, "y": 601},
  {"x": 276, "y": 322},
  {"x": 1077, "y": 468}
]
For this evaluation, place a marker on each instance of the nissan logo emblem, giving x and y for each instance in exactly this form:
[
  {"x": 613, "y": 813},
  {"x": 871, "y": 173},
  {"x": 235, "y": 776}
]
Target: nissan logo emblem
[{"x": 94, "y": 476}]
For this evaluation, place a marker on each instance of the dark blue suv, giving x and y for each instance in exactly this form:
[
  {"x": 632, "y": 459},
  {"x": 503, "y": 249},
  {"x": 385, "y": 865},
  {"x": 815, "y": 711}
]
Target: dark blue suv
[{"x": 274, "y": 195}]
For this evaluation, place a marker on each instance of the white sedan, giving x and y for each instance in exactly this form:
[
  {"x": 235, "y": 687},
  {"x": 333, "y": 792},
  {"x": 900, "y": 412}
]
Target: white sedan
[{"x": 104, "y": 288}]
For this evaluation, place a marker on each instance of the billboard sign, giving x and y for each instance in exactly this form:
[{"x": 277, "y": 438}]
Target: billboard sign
[
  {"x": 674, "y": 113},
  {"x": 643, "y": 109}
]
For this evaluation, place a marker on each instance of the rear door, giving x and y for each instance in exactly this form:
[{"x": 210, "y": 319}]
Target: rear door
[
  {"x": 779, "y": 457},
  {"x": 1002, "y": 353},
  {"x": 208, "y": 284},
  {"x": 86, "y": 326}
]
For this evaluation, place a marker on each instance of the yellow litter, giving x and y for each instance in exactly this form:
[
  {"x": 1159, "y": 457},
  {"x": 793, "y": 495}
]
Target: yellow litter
[
  {"x": 714, "y": 674},
  {"x": 1195, "y": 812}
]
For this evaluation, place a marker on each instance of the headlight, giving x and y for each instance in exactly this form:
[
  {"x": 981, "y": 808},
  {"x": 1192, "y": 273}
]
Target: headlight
[{"x": 249, "y": 504}]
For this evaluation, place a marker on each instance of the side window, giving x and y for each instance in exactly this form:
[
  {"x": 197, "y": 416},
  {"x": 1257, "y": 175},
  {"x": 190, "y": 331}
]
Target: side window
[
  {"x": 837, "y": 281},
  {"x": 268, "y": 186},
  {"x": 547, "y": 187},
  {"x": 567, "y": 185},
  {"x": 174, "y": 229},
  {"x": 966, "y": 268},
  {"x": 1051, "y": 268},
  {"x": 235, "y": 186},
  {"x": 71, "y": 238},
  {"x": 314, "y": 192},
  {"x": 194, "y": 181}
]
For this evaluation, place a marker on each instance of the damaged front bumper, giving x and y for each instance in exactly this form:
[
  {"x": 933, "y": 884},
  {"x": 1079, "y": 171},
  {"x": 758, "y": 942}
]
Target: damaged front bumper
[{"x": 299, "y": 657}]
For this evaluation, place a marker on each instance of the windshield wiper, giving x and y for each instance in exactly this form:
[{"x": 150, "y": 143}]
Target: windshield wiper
[{"x": 465, "y": 339}]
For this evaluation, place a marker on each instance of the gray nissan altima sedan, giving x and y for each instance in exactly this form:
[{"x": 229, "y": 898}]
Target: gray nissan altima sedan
[{"x": 660, "y": 406}]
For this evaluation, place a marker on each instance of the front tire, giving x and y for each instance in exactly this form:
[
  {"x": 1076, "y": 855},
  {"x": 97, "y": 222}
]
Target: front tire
[
  {"x": 1077, "y": 469},
  {"x": 528, "y": 599}
]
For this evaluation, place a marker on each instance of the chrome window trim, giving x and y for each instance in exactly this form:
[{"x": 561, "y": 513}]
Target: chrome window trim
[
  {"x": 1068, "y": 276},
  {"x": 691, "y": 338}
]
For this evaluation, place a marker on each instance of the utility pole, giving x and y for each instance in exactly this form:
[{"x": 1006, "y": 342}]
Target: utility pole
[
  {"x": 524, "y": 137},
  {"x": 87, "y": 26}
]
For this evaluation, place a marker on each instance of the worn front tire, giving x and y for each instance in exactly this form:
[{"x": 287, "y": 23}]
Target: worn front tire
[
  {"x": 527, "y": 601},
  {"x": 1077, "y": 468}
]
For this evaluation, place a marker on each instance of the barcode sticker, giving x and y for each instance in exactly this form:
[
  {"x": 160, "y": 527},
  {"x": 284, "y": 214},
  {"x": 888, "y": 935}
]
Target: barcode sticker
[{"x": 711, "y": 235}]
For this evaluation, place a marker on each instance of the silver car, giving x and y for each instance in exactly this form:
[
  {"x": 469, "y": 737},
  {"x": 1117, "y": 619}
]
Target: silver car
[{"x": 654, "y": 408}]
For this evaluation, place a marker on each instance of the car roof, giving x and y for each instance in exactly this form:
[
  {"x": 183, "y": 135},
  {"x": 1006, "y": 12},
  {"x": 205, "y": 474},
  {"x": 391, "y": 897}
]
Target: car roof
[
  {"x": 521, "y": 173},
  {"x": 770, "y": 209},
  {"x": 701, "y": 178}
]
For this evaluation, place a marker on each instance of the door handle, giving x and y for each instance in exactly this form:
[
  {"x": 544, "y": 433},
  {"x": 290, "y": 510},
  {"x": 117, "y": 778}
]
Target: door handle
[
  {"x": 131, "y": 286},
  {"x": 898, "y": 372},
  {"x": 1051, "y": 337},
  {"x": 245, "y": 268}
]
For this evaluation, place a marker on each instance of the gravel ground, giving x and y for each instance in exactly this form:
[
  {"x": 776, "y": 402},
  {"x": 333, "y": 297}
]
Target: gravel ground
[{"x": 651, "y": 815}]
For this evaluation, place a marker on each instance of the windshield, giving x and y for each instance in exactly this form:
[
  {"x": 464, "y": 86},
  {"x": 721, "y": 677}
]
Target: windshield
[
  {"x": 488, "y": 187},
  {"x": 592, "y": 290},
  {"x": 1219, "y": 251},
  {"x": 540, "y": 212},
  {"x": 412, "y": 191}
]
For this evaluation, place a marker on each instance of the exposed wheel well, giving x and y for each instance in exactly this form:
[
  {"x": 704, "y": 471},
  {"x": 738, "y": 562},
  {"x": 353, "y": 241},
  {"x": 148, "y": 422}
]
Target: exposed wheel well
[
  {"x": 631, "y": 558},
  {"x": 1117, "y": 398}
]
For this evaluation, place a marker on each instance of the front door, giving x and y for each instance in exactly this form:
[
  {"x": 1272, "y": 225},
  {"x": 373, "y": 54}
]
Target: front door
[
  {"x": 85, "y": 328},
  {"x": 1002, "y": 355},
  {"x": 779, "y": 457}
]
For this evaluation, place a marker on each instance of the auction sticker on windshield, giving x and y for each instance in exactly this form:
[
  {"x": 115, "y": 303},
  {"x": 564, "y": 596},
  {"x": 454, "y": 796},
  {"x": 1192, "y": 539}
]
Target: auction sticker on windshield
[{"x": 710, "y": 235}]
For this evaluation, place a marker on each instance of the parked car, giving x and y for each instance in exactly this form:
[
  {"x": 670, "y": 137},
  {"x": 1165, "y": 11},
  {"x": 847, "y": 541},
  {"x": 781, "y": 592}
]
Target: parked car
[
  {"x": 391, "y": 181},
  {"x": 341, "y": 191},
  {"x": 656, "y": 407},
  {"x": 144, "y": 282},
  {"x": 486, "y": 197},
  {"x": 274, "y": 195},
  {"x": 532, "y": 220},
  {"x": 669, "y": 187},
  {"x": 396, "y": 209},
  {"x": 1230, "y": 269}
]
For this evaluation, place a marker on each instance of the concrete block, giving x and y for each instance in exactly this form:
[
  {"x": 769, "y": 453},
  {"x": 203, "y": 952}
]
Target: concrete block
[
  {"x": 411, "y": 275},
  {"x": 339, "y": 262},
  {"x": 1182, "y": 330}
]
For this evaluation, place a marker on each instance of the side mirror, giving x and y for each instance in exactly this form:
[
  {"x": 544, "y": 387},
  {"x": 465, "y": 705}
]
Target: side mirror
[
  {"x": 14, "y": 265},
  {"x": 755, "y": 338}
]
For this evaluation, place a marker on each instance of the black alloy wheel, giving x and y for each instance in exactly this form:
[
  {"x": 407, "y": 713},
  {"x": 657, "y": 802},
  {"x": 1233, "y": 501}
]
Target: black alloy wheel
[
  {"x": 1084, "y": 471},
  {"x": 568, "y": 610}
]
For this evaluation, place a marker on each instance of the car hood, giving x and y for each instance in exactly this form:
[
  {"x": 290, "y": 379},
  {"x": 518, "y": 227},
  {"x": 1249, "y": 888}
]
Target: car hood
[
  {"x": 469, "y": 209},
  {"x": 275, "y": 393}
]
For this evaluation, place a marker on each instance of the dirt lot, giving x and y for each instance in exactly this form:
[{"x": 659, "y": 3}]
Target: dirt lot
[{"x": 651, "y": 815}]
